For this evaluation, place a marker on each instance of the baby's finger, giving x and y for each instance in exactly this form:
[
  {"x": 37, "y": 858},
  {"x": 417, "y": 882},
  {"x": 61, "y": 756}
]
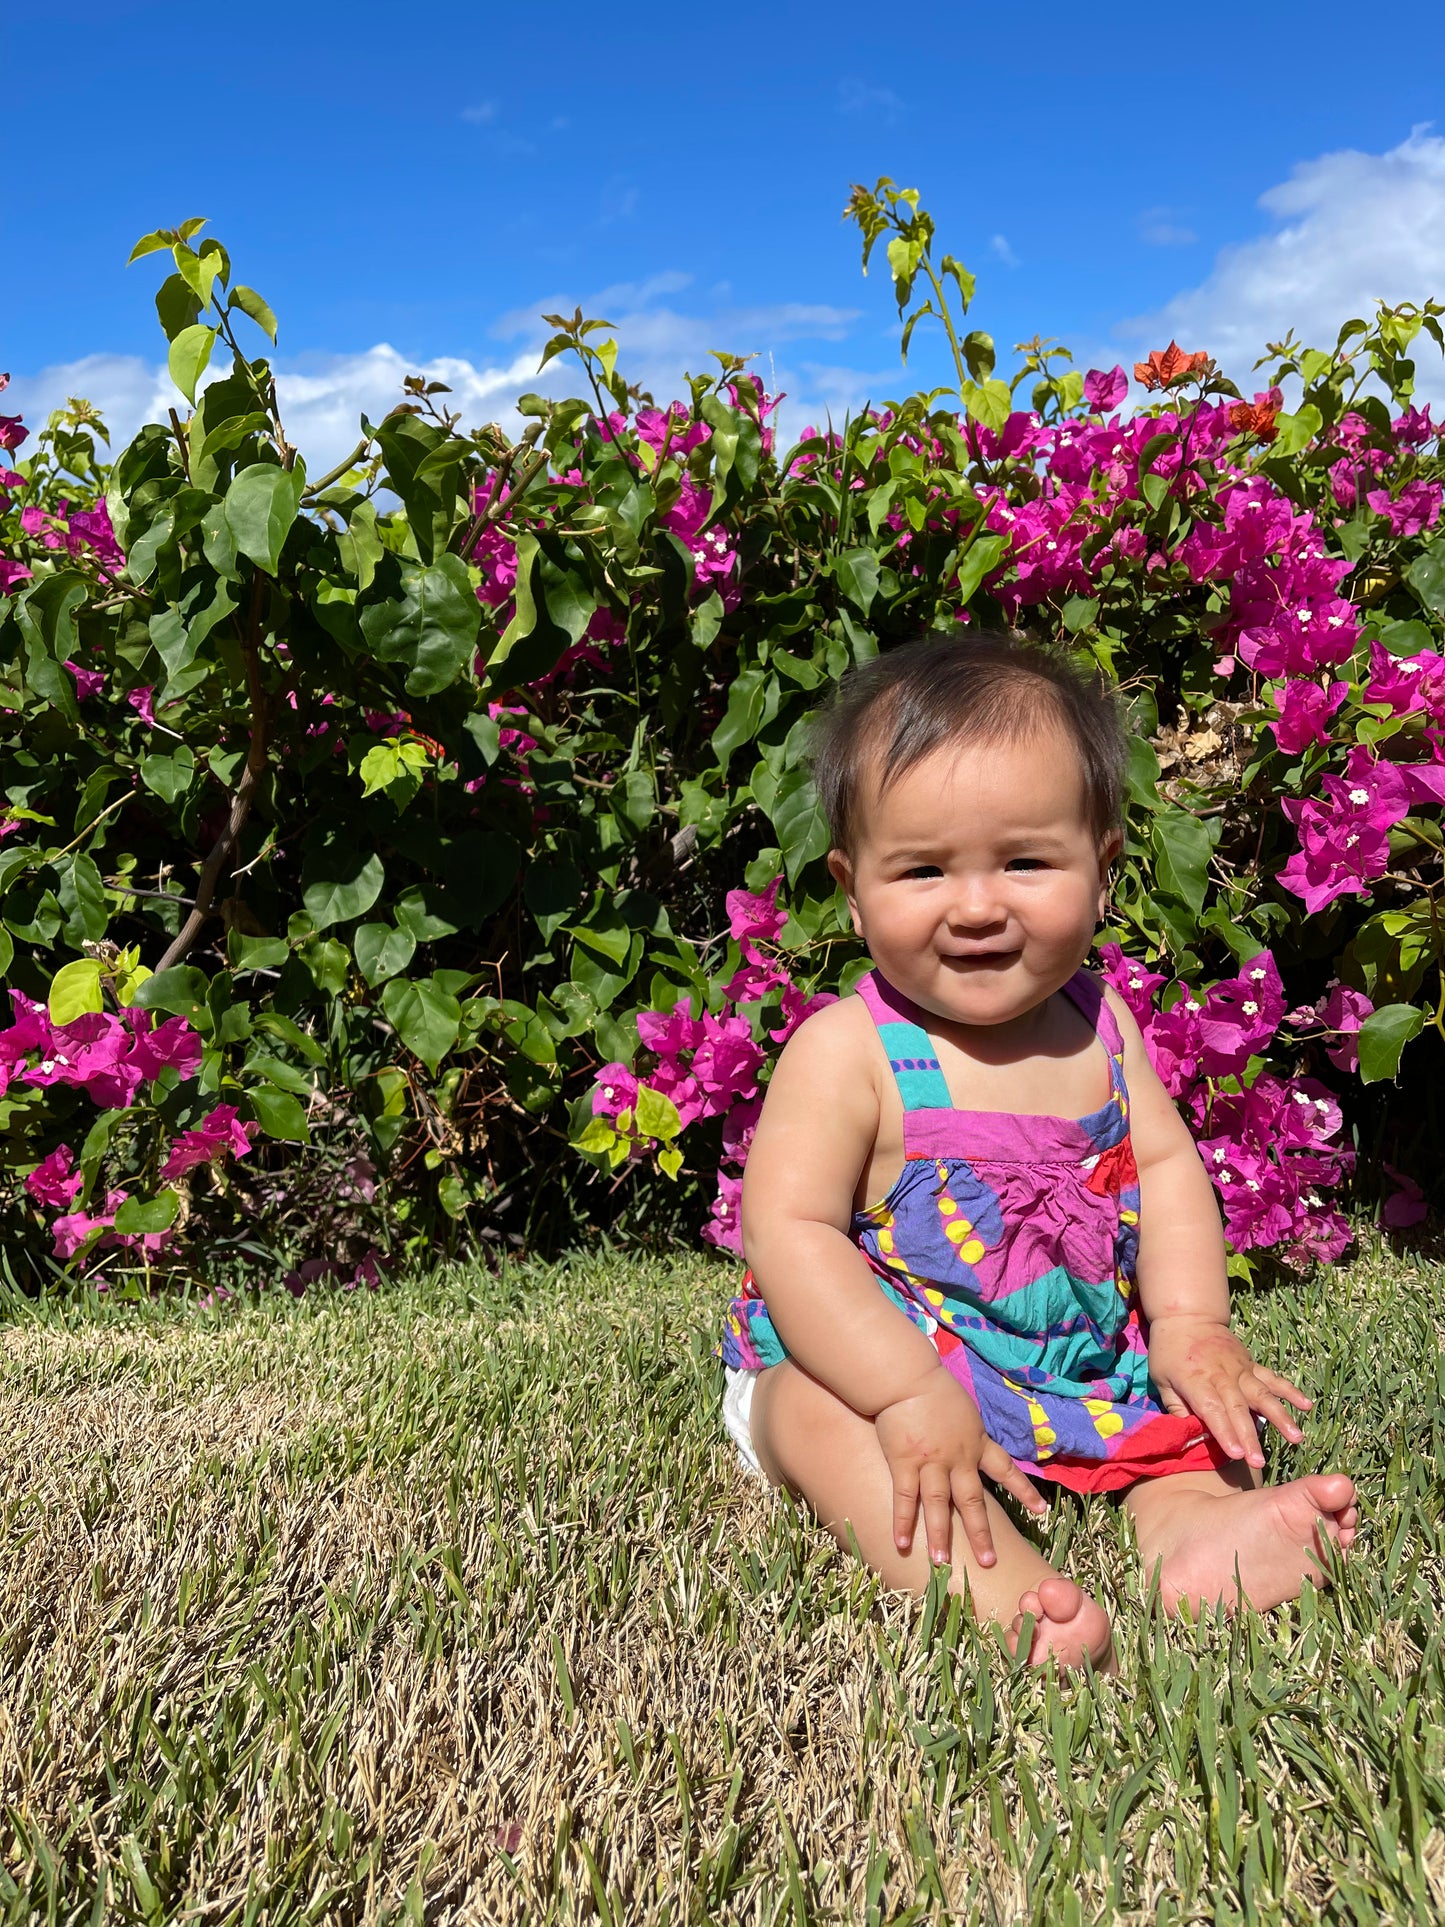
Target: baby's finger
[
  {"x": 973, "y": 1510},
  {"x": 996, "y": 1464},
  {"x": 1244, "y": 1426},
  {"x": 1278, "y": 1415},
  {"x": 936, "y": 1494},
  {"x": 1283, "y": 1387},
  {"x": 905, "y": 1505},
  {"x": 1211, "y": 1410}
]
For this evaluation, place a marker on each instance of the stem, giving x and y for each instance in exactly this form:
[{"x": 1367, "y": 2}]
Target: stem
[
  {"x": 335, "y": 474},
  {"x": 245, "y": 789}
]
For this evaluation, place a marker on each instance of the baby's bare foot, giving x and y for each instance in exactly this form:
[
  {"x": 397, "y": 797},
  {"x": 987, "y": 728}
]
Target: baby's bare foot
[
  {"x": 1068, "y": 1626},
  {"x": 1263, "y": 1544}
]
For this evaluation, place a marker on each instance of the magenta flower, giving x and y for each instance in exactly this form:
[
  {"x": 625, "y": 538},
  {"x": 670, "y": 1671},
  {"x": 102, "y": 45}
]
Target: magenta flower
[
  {"x": 1305, "y": 708},
  {"x": 1406, "y": 1205},
  {"x": 220, "y": 1131},
  {"x": 55, "y": 1181},
  {"x": 727, "y": 1061},
  {"x": 738, "y": 1128},
  {"x": 724, "y": 1226},
  {"x": 1135, "y": 982},
  {"x": 1406, "y": 683},
  {"x": 755, "y": 915},
  {"x": 796, "y": 1008},
  {"x": 1239, "y": 1017},
  {"x": 1104, "y": 391},
  {"x": 1415, "y": 509},
  {"x": 1342, "y": 1010},
  {"x": 756, "y": 977},
  {"x": 142, "y": 701},
  {"x": 12, "y": 574},
  {"x": 669, "y": 1032},
  {"x": 171, "y": 1045},
  {"x": 615, "y": 1092}
]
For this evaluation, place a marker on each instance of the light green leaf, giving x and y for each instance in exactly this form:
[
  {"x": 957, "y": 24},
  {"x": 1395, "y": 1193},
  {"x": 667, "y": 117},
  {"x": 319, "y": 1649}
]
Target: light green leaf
[
  {"x": 75, "y": 990},
  {"x": 656, "y": 1114},
  {"x": 261, "y": 505},
  {"x": 189, "y": 354},
  {"x": 1295, "y": 432},
  {"x": 1183, "y": 848},
  {"x": 249, "y": 302},
  {"x": 856, "y": 573}
]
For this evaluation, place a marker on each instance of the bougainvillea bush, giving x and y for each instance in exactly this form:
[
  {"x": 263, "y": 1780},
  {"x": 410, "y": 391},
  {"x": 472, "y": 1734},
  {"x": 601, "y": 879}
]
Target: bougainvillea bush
[{"x": 425, "y": 851}]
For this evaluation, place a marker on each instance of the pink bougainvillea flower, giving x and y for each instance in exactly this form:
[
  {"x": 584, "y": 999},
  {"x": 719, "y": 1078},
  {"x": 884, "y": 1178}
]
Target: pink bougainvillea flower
[
  {"x": 1343, "y": 1009},
  {"x": 171, "y": 1045},
  {"x": 796, "y": 1007},
  {"x": 88, "y": 682},
  {"x": 755, "y": 914},
  {"x": 1104, "y": 390},
  {"x": 727, "y": 1061},
  {"x": 55, "y": 1181},
  {"x": 755, "y": 978},
  {"x": 1304, "y": 710},
  {"x": 142, "y": 701},
  {"x": 220, "y": 1131},
  {"x": 615, "y": 1091},
  {"x": 12, "y": 574},
  {"x": 1415, "y": 509},
  {"x": 670, "y": 1031},
  {"x": 724, "y": 1226},
  {"x": 12, "y": 431},
  {"x": 1239, "y": 1017},
  {"x": 1135, "y": 982},
  {"x": 738, "y": 1128},
  {"x": 1406, "y": 1205}
]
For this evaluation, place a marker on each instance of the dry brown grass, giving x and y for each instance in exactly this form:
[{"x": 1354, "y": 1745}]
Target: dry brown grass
[{"x": 451, "y": 1603}]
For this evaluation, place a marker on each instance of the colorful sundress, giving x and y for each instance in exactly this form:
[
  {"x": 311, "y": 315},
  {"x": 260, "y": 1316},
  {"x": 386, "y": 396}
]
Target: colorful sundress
[{"x": 1011, "y": 1241}]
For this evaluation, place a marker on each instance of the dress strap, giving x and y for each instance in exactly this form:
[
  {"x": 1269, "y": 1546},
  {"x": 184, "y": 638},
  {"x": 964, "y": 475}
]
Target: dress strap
[
  {"x": 911, "y": 1056},
  {"x": 1084, "y": 992}
]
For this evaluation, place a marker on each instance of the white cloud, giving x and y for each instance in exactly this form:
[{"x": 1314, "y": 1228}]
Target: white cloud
[
  {"x": 322, "y": 397},
  {"x": 999, "y": 246},
  {"x": 878, "y": 103},
  {"x": 1161, "y": 229},
  {"x": 1351, "y": 228},
  {"x": 481, "y": 114}
]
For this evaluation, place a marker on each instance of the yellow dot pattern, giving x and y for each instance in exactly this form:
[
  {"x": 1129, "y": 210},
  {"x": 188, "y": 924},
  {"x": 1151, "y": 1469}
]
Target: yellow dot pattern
[
  {"x": 1106, "y": 1420},
  {"x": 1045, "y": 1437},
  {"x": 957, "y": 1228}
]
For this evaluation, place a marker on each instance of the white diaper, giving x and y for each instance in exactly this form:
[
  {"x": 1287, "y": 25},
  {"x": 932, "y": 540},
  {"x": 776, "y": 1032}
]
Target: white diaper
[{"x": 737, "y": 1409}]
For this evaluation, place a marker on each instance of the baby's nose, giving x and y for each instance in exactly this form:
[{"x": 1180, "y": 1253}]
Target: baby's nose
[{"x": 975, "y": 903}]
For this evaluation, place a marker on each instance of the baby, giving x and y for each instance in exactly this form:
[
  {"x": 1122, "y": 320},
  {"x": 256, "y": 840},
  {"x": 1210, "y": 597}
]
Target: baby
[{"x": 981, "y": 1242}]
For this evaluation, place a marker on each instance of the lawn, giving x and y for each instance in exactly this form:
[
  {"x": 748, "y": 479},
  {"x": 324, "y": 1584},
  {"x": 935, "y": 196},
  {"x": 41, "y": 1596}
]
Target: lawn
[{"x": 449, "y": 1602}]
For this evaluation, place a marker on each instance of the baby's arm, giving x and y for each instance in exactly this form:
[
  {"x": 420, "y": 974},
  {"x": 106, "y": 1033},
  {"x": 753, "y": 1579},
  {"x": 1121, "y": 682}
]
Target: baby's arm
[
  {"x": 1196, "y": 1362},
  {"x": 818, "y": 1124}
]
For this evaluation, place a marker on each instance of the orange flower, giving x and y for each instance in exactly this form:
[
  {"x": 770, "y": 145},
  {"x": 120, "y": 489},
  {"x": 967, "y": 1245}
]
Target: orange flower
[
  {"x": 1256, "y": 417},
  {"x": 1166, "y": 366}
]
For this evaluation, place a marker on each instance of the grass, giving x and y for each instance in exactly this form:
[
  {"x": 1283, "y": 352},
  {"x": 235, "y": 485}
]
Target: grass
[{"x": 450, "y": 1603}]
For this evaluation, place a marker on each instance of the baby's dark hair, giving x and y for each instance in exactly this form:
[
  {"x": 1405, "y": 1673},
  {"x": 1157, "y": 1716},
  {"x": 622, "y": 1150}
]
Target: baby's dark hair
[{"x": 922, "y": 696}]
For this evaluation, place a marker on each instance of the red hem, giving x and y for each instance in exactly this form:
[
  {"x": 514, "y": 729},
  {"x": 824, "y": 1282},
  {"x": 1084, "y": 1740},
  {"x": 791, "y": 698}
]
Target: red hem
[{"x": 1156, "y": 1450}]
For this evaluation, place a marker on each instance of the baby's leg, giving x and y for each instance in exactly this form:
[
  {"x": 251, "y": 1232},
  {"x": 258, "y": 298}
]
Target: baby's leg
[
  {"x": 824, "y": 1451},
  {"x": 1217, "y": 1536}
]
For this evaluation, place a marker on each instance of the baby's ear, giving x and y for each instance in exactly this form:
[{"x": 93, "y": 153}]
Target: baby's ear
[{"x": 840, "y": 868}]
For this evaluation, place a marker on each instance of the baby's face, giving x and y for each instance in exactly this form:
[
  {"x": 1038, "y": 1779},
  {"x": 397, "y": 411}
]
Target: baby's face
[{"x": 977, "y": 882}]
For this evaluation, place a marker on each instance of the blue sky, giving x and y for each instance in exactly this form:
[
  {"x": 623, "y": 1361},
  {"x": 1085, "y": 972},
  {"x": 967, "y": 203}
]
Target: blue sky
[{"x": 408, "y": 189}]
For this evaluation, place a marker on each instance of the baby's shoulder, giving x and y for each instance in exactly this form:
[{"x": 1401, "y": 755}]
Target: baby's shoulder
[{"x": 838, "y": 1041}]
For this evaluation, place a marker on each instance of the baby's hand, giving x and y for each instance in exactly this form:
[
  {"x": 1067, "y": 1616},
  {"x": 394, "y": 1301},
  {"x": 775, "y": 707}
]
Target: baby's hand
[
  {"x": 936, "y": 1447},
  {"x": 1199, "y": 1366}
]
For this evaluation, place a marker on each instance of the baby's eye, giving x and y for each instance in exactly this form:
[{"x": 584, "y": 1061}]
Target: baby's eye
[
  {"x": 924, "y": 870},
  {"x": 1026, "y": 863}
]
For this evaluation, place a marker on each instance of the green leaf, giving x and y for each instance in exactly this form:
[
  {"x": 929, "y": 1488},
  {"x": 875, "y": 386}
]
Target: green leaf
[
  {"x": 1383, "y": 1036},
  {"x": 382, "y": 952},
  {"x": 150, "y": 244},
  {"x": 670, "y": 1160},
  {"x": 432, "y": 626},
  {"x": 257, "y": 953},
  {"x": 261, "y": 505},
  {"x": 75, "y": 990},
  {"x": 329, "y": 963},
  {"x": 981, "y": 558},
  {"x": 598, "y": 1136},
  {"x": 279, "y": 1113},
  {"x": 7, "y": 950},
  {"x": 181, "y": 990},
  {"x": 424, "y": 1018},
  {"x": 342, "y": 880},
  {"x": 552, "y": 610},
  {"x": 169, "y": 776},
  {"x": 743, "y": 716},
  {"x": 856, "y": 573},
  {"x": 82, "y": 898},
  {"x": 1183, "y": 848},
  {"x": 656, "y": 1114},
  {"x": 190, "y": 352},
  {"x": 1295, "y": 432},
  {"x": 1426, "y": 576},
  {"x": 177, "y": 306},
  {"x": 988, "y": 402},
  {"x": 138, "y": 1216},
  {"x": 250, "y": 303},
  {"x": 798, "y": 818}
]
